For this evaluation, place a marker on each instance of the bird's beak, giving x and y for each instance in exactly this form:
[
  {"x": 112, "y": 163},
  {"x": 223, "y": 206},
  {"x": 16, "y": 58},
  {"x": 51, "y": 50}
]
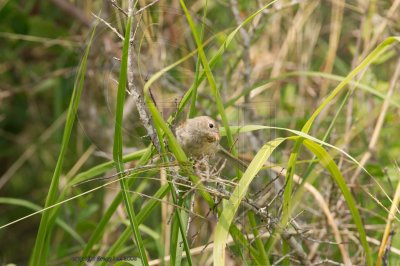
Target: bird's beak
[{"x": 216, "y": 136}]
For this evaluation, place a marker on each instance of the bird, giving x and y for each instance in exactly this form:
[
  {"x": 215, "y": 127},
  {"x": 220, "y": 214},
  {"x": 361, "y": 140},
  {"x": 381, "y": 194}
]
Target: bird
[{"x": 199, "y": 137}]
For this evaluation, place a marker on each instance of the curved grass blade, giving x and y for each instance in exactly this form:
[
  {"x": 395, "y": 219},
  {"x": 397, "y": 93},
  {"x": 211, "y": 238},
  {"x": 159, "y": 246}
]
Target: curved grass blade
[
  {"x": 310, "y": 142},
  {"x": 192, "y": 110},
  {"x": 327, "y": 161},
  {"x": 207, "y": 66},
  {"x": 210, "y": 77},
  {"x": 293, "y": 157},
  {"x": 382, "y": 47},
  {"x": 104, "y": 167},
  {"x": 40, "y": 249},
  {"x": 230, "y": 206},
  {"x": 248, "y": 128},
  {"x": 317, "y": 74}
]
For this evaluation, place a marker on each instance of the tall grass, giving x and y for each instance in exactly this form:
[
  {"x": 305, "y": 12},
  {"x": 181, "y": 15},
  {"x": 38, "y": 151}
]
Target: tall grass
[
  {"x": 180, "y": 211},
  {"x": 41, "y": 247}
]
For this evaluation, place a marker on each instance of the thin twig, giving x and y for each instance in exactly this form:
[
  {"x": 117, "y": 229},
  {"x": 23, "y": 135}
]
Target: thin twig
[
  {"x": 137, "y": 93},
  {"x": 109, "y": 26},
  {"x": 325, "y": 208},
  {"x": 146, "y": 6},
  {"x": 328, "y": 261},
  {"x": 114, "y": 3}
]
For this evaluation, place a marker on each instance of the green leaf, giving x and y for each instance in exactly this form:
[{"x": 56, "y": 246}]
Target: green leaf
[
  {"x": 230, "y": 206},
  {"x": 382, "y": 47},
  {"x": 330, "y": 165},
  {"x": 117, "y": 148},
  {"x": 40, "y": 250}
]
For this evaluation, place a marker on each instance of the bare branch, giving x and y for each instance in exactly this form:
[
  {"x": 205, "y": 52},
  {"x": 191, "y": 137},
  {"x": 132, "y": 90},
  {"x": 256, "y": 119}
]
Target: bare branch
[
  {"x": 109, "y": 26},
  {"x": 137, "y": 93},
  {"x": 146, "y": 6},
  {"x": 114, "y": 3}
]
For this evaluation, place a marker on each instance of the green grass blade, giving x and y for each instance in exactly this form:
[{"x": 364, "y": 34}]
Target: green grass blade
[
  {"x": 208, "y": 65},
  {"x": 117, "y": 149},
  {"x": 210, "y": 77},
  {"x": 230, "y": 206},
  {"x": 27, "y": 204},
  {"x": 263, "y": 257},
  {"x": 176, "y": 247},
  {"x": 332, "y": 168},
  {"x": 382, "y": 47},
  {"x": 248, "y": 128},
  {"x": 316, "y": 74},
  {"x": 286, "y": 209},
  {"x": 101, "y": 226},
  {"x": 173, "y": 143},
  {"x": 330, "y": 165},
  {"x": 285, "y": 252},
  {"x": 40, "y": 249},
  {"x": 144, "y": 212},
  {"x": 293, "y": 157},
  {"x": 179, "y": 224},
  {"x": 192, "y": 110},
  {"x": 104, "y": 167}
]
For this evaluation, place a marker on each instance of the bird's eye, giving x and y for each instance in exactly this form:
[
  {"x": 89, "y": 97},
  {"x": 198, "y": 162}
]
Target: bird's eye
[{"x": 210, "y": 125}]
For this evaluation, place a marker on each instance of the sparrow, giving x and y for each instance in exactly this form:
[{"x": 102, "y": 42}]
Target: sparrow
[{"x": 199, "y": 137}]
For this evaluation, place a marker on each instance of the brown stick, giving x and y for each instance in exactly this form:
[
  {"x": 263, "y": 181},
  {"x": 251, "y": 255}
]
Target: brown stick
[{"x": 137, "y": 93}]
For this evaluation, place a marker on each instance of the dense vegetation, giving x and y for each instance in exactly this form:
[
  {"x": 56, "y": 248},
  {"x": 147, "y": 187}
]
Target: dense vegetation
[{"x": 305, "y": 92}]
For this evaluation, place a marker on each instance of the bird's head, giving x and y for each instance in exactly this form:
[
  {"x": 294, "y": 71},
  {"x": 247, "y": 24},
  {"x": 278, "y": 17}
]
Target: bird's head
[{"x": 206, "y": 128}]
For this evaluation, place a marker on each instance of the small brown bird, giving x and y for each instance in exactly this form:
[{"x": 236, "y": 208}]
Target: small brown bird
[{"x": 200, "y": 137}]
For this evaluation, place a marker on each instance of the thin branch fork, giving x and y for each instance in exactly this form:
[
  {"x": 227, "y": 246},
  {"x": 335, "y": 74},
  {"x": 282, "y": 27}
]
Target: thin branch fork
[{"x": 137, "y": 93}]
